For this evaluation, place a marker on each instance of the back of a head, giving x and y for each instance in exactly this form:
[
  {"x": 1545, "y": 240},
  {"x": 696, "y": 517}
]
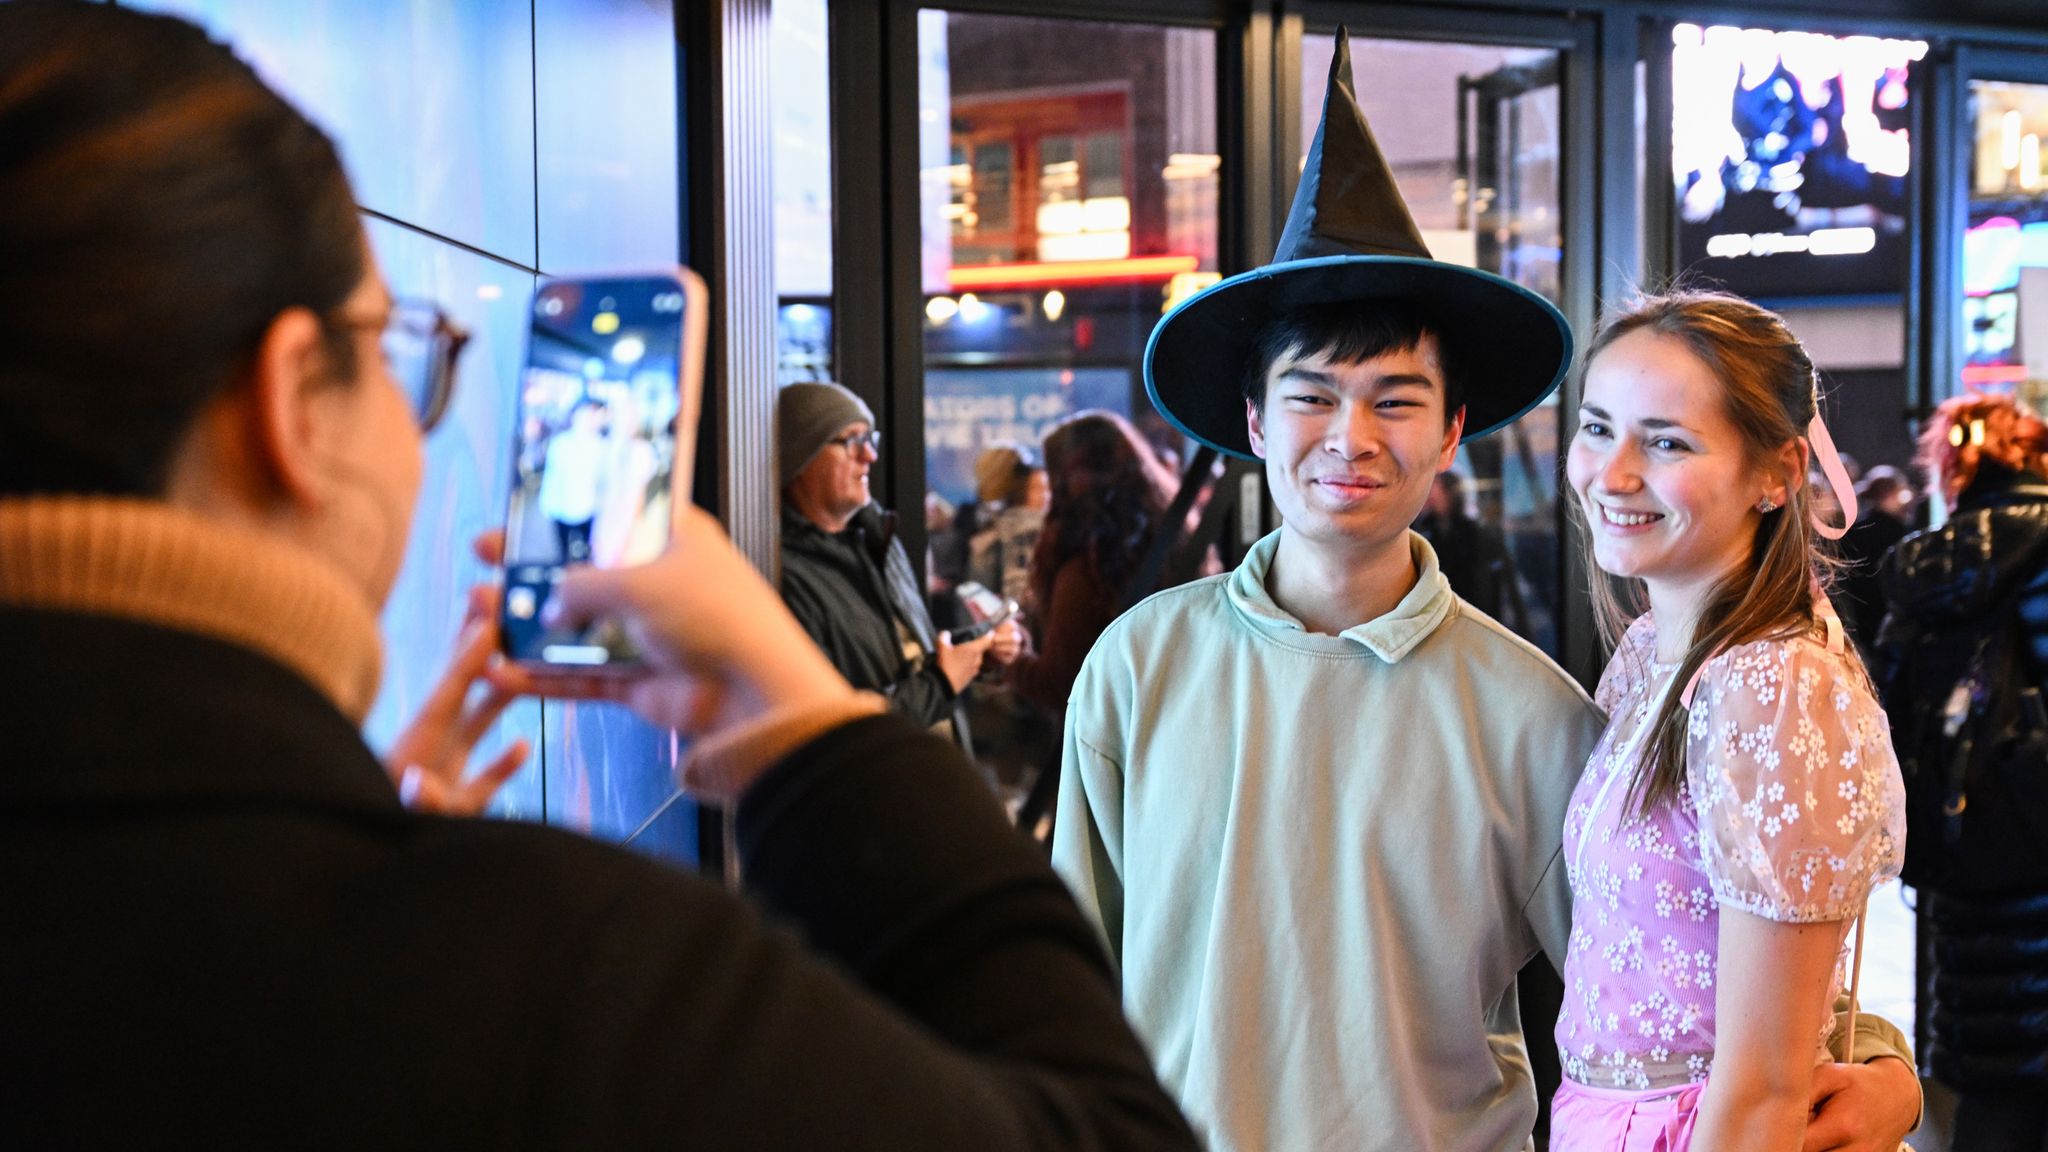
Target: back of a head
[
  {"x": 1879, "y": 485},
  {"x": 1097, "y": 450},
  {"x": 999, "y": 474},
  {"x": 1108, "y": 492},
  {"x": 162, "y": 207},
  {"x": 1967, "y": 429}
]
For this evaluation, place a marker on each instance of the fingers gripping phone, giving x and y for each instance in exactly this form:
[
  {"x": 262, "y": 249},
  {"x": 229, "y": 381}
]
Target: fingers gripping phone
[{"x": 603, "y": 446}]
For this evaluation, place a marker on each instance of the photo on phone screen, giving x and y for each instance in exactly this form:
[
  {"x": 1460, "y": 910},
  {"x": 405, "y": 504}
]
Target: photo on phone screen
[{"x": 595, "y": 453}]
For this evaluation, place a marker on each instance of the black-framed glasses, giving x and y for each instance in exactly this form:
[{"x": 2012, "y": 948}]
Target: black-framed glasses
[
  {"x": 872, "y": 438},
  {"x": 421, "y": 346}
]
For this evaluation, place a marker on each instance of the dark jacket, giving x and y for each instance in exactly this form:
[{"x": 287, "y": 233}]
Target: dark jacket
[
  {"x": 1858, "y": 593},
  {"x": 850, "y": 590},
  {"x": 222, "y": 930},
  {"x": 1946, "y": 588},
  {"x": 1937, "y": 579},
  {"x": 1473, "y": 556}
]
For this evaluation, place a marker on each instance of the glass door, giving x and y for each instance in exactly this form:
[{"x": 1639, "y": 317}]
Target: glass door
[{"x": 1070, "y": 187}]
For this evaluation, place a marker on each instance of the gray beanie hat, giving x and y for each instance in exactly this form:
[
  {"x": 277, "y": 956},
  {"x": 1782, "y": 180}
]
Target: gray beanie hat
[{"x": 806, "y": 416}]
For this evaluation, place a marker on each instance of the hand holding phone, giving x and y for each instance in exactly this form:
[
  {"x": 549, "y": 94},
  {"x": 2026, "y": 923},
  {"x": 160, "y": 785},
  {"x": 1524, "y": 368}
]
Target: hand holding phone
[{"x": 605, "y": 432}]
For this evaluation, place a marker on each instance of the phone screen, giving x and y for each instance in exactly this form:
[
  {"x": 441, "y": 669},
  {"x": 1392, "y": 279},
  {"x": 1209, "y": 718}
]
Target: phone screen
[{"x": 594, "y": 456}]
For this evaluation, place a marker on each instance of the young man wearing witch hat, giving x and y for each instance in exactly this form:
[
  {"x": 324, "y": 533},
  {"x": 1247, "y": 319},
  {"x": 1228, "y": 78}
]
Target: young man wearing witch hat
[{"x": 1315, "y": 804}]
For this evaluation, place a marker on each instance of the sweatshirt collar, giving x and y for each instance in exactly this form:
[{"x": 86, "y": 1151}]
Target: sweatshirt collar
[{"x": 1390, "y": 637}]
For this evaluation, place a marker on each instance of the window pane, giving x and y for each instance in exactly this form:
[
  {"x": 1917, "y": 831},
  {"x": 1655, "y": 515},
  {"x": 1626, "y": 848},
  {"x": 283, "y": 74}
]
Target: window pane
[
  {"x": 1472, "y": 133},
  {"x": 2005, "y": 252},
  {"x": 1086, "y": 205},
  {"x": 802, "y": 120},
  {"x": 1071, "y": 179}
]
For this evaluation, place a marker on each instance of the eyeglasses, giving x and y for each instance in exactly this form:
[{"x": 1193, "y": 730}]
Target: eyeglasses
[
  {"x": 872, "y": 438},
  {"x": 421, "y": 346}
]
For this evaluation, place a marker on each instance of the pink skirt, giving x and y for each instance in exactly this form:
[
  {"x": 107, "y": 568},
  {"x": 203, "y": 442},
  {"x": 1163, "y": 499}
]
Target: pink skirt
[{"x": 1584, "y": 1119}]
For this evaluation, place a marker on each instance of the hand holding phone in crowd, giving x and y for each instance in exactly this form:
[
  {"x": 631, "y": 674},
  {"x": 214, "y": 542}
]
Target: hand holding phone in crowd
[{"x": 717, "y": 645}]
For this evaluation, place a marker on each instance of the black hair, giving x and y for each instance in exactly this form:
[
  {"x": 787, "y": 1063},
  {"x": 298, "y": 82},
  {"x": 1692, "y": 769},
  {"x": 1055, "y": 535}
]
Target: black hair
[
  {"x": 1351, "y": 332},
  {"x": 162, "y": 207}
]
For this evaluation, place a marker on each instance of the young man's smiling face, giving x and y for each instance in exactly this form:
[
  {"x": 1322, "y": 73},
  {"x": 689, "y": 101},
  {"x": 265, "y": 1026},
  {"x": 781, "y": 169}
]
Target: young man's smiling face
[{"x": 1353, "y": 448}]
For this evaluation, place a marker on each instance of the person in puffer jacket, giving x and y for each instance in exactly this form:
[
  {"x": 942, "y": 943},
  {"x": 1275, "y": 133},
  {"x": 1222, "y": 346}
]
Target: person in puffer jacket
[{"x": 1964, "y": 597}]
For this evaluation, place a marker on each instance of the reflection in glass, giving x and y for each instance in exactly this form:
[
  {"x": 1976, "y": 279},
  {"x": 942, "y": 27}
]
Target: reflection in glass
[
  {"x": 1472, "y": 133},
  {"x": 1070, "y": 198},
  {"x": 2005, "y": 251},
  {"x": 1079, "y": 204},
  {"x": 800, "y": 109}
]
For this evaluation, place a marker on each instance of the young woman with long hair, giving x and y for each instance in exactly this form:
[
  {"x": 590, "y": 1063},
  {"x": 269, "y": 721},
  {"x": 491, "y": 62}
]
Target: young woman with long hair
[
  {"x": 1744, "y": 798},
  {"x": 1108, "y": 494}
]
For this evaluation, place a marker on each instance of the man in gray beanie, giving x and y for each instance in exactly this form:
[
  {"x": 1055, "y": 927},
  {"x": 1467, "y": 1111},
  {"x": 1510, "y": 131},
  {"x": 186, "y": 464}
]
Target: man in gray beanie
[{"x": 844, "y": 573}]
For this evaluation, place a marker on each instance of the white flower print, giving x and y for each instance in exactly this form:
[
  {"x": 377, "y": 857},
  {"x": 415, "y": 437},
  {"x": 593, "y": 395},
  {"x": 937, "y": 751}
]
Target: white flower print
[{"x": 1788, "y": 811}]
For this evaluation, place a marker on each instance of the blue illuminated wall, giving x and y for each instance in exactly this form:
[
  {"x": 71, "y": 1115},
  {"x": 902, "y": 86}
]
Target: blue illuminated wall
[{"x": 491, "y": 142}]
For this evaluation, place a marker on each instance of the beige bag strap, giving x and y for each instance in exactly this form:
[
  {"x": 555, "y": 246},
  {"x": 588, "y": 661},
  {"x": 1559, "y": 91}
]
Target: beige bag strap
[{"x": 1856, "y": 977}]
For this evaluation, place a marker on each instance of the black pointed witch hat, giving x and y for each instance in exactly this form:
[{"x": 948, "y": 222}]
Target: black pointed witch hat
[{"x": 1349, "y": 238}]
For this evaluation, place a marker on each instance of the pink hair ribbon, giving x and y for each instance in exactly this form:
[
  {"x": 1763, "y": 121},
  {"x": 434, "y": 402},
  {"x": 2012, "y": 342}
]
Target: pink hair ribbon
[
  {"x": 1845, "y": 493},
  {"x": 1838, "y": 478}
]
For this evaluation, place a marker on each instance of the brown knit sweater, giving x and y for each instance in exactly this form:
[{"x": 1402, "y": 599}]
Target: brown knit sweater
[{"x": 149, "y": 561}]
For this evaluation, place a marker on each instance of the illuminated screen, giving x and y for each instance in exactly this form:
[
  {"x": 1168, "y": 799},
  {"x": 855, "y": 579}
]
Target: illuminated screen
[
  {"x": 1790, "y": 153},
  {"x": 2005, "y": 251},
  {"x": 595, "y": 449}
]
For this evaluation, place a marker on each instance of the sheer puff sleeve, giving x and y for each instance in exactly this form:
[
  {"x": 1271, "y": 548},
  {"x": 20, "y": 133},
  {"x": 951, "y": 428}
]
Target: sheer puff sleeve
[{"x": 1791, "y": 772}]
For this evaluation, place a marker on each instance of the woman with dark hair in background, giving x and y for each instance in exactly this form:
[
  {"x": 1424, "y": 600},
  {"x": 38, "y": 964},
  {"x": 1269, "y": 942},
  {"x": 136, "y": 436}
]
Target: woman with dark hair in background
[
  {"x": 1960, "y": 661},
  {"x": 1108, "y": 494}
]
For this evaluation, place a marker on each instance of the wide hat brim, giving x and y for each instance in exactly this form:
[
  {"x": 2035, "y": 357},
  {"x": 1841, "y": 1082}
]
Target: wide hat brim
[{"x": 1515, "y": 345}]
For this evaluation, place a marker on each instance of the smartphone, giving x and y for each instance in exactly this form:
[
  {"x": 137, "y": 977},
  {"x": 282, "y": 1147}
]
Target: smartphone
[
  {"x": 604, "y": 438},
  {"x": 986, "y": 609}
]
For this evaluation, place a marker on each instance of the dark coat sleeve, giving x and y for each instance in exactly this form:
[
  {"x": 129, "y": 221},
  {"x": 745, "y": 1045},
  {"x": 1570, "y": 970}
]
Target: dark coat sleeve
[
  {"x": 1081, "y": 608},
  {"x": 924, "y": 697},
  {"x": 952, "y": 996}
]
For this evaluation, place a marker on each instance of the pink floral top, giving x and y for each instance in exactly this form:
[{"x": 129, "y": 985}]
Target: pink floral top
[{"x": 1793, "y": 811}]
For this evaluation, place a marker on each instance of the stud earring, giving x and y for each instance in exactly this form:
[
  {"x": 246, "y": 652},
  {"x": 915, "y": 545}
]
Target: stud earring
[{"x": 1767, "y": 505}]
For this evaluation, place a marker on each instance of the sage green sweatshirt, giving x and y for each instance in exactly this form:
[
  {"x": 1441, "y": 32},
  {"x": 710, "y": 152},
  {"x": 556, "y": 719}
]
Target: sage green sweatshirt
[{"x": 1320, "y": 860}]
